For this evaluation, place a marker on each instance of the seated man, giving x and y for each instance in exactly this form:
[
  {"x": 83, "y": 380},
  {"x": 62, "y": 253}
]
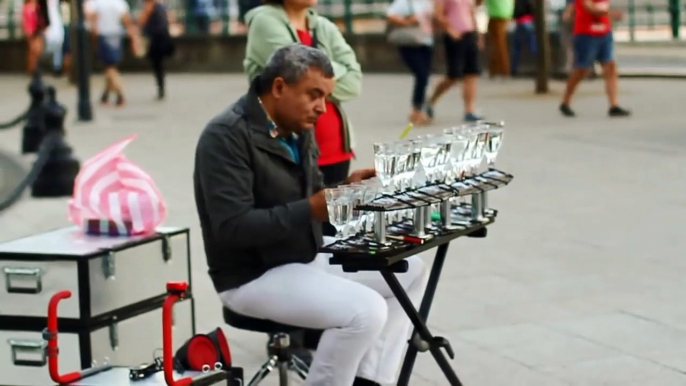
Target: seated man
[{"x": 261, "y": 203}]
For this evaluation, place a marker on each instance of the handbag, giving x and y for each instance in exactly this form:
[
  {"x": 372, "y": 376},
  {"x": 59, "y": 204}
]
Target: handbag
[{"x": 406, "y": 35}]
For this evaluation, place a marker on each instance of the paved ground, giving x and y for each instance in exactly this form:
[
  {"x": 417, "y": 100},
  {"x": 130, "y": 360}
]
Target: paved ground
[{"x": 579, "y": 283}]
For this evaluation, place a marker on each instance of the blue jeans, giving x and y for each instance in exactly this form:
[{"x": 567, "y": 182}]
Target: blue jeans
[
  {"x": 418, "y": 60},
  {"x": 524, "y": 34}
]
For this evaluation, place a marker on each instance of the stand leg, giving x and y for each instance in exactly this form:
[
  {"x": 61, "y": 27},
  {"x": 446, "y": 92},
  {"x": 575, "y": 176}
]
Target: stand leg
[
  {"x": 419, "y": 324},
  {"x": 427, "y": 299},
  {"x": 283, "y": 373},
  {"x": 263, "y": 372}
]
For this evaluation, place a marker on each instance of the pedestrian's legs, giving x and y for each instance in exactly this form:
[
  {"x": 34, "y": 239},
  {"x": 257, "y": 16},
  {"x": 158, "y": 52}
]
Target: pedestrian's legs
[
  {"x": 454, "y": 69},
  {"x": 611, "y": 82},
  {"x": 414, "y": 59},
  {"x": 519, "y": 37},
  {"x": 500, "y": 58},
  {"x": 352, "y": 314},
  {"x": 158, "y": 71}
]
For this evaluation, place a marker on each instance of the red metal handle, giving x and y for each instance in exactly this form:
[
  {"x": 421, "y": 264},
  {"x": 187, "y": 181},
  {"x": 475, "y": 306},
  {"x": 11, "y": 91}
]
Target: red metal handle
[
  {"x": 175, "y": 291},
  {"x": 51, "y": 337}
]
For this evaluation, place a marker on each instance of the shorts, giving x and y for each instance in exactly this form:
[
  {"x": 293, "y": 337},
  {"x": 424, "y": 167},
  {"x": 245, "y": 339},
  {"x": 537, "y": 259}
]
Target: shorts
[
  {"x": 589, "y": 49},
  {"x": 110, "y": 49},
  {"x": 462, "y": 55}
]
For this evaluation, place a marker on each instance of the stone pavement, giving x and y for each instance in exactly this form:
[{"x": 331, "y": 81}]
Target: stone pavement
[{"x": 581, "y": 280}]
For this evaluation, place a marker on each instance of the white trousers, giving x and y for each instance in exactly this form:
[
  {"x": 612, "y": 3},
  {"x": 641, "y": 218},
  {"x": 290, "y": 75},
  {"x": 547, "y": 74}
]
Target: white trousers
[{"x": 365, "y": 327}]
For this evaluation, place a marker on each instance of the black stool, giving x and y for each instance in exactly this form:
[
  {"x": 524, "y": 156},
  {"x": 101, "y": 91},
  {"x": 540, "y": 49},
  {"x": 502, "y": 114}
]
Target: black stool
[{"x": 279, "y": 350}]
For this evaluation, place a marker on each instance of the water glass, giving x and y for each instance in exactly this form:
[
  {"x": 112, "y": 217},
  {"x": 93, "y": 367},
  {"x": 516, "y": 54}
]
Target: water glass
[
  {"x": 385, "y": 162},
  {"x": 493, "y": 144},
  {"x": 339, "y": 203}
]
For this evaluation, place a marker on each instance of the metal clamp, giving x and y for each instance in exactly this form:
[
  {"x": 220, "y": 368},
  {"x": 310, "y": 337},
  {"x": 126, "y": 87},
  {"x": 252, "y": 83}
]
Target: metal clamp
[
  {"x": 34, "y": 350},
  {"x": 24, "y": 275},
  {"x": 166, "y": 248},
  {"x": 108, "y": 267}
]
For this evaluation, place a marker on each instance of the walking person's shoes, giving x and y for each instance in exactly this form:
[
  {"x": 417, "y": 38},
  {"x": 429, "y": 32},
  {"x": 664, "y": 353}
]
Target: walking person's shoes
[
  {"x": 472, "y": 117},
  {"x": 429, "y": 110},
  {"x": 566, "y": 110},
  {"x": 616, "y": 111}
]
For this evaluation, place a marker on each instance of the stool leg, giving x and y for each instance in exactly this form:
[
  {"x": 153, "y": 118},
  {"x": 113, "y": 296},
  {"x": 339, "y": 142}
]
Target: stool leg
[
  {"x": 283, "y": 373},
  {"x": 263, "y": 372}
]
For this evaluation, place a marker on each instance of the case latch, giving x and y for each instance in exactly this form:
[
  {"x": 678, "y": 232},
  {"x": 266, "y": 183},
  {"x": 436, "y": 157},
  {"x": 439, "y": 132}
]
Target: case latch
[
  {"x": 114, "y": 334},
  {"x": 108, "y": 267},
  {"x": 166, "y": 248}
]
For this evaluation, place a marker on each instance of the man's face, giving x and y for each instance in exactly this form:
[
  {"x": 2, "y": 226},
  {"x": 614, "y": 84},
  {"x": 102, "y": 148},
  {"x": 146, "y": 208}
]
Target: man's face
[{"x": 299, "y": 105}]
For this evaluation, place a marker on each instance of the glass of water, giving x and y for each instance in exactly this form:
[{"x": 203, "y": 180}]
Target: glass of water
[
  {"x": 339, "y": 203},
  {"x": 358, "y": 195},
  {"x": 385, "y": 162},
  {"x": 495, "y": 140}
]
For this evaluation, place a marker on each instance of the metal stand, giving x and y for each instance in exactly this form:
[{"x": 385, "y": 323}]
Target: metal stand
[
  {"x": 447, "y": 215},
  {"x": 380, "y": 227},
  {"x": 282, "y": 360},
  {"x": 434, "y": 343},
  {"x": 477, "y": 207}
]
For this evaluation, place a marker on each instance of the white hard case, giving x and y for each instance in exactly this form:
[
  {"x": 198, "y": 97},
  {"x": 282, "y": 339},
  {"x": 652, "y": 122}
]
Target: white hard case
[{"x": 110, "y": 271}]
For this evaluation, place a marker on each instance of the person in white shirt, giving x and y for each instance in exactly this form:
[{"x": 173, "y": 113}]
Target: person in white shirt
[{"x": 110, "y": 20}]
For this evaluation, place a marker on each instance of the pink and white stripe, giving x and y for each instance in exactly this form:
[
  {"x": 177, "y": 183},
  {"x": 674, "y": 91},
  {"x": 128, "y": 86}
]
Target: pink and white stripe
[{"x": 110, "y": 187}]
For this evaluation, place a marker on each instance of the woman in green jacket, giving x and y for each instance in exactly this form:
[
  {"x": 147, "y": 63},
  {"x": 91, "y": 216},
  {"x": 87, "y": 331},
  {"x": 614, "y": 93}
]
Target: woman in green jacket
[{"x": 282, "y": 22}]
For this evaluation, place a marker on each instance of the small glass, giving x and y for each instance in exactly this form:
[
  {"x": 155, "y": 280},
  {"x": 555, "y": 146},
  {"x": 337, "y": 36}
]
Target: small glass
[
  {"x": 385, "y": 162},
  {"x": 339, "y": 203},
  {"x": 493, "y": 144}
]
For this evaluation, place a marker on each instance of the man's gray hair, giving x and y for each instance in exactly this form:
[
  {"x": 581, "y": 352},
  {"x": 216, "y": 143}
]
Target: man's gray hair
[{"x": 291, "y": 62}]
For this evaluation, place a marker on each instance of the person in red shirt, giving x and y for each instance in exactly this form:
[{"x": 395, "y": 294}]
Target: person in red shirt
[
  {"x": 334, "y": 158},
  {"x": 593, "y": 42},
  {"x": 33, "y": 25}
]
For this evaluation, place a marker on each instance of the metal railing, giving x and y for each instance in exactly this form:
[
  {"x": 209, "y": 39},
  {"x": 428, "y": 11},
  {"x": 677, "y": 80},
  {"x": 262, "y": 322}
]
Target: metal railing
[{"x": 644, "y": 19}]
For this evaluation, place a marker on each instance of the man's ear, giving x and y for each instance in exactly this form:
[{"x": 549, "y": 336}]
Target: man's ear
[{"x": 278, "y": 87}]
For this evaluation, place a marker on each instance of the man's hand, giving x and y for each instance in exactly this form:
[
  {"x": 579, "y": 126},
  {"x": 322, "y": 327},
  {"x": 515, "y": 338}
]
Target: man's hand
[
  {"x": 360, "y": 175},
  {"x": 318, "y": 206}
]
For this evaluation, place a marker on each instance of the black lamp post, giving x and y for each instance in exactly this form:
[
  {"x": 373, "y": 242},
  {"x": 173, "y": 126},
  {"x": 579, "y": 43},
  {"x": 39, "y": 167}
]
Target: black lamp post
[{"x": 84, "y": 110}]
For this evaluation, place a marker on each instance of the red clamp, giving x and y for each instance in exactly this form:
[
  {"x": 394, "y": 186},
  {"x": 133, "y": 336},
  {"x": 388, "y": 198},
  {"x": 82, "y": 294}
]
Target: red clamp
[
  {"x": 50, "y": 335},
  {"x": 176, "y": 290}
]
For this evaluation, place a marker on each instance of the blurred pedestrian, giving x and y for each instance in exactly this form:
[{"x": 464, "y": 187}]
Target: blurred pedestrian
[
  {"x": 499, "y": 16},
  {"x": 524, "y": 33},
  {"x": 461, "y": 41},
  {"x": 33, "y": 25},
  {"x": 282, "y": 22},
  {"x": 154, "y": 21},
  {"x": 411, "y": 29},
  {"x": 62, "y": 58},
  {"x": 593, "y": 42},
  {"x": 110, "y": 21},
  {"x": 202, "y": 12}
]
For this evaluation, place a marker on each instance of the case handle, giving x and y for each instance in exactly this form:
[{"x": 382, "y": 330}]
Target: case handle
[
  {"x": 33, "y": 349},
  {"x": 24, "y": 275}
]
